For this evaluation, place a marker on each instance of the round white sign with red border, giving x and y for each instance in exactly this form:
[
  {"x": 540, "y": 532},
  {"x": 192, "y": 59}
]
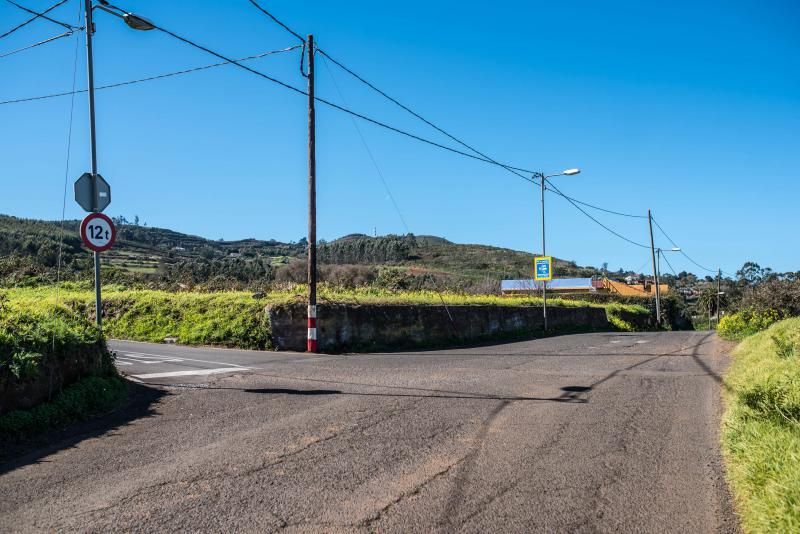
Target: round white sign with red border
[{"x": 98, "y": 232}]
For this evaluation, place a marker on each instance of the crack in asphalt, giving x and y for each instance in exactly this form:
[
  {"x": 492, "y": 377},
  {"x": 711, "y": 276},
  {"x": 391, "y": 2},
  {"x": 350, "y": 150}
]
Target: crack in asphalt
[{"x": 153, "y": 488}]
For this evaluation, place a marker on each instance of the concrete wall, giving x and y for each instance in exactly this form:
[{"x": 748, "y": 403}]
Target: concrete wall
[{"x": 382, "y": 327}]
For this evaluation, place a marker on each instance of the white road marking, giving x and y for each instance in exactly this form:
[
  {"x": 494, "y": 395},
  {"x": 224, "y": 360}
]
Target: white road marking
[
  {"x": 181, "y": 357},
  {"x": 199, "y": 372},
  {"x": 642, "y": 341},
  {"x": 118, "y": 362},
  {"x": 616, "y": 341},
  {"x": 136, "y": 359}
]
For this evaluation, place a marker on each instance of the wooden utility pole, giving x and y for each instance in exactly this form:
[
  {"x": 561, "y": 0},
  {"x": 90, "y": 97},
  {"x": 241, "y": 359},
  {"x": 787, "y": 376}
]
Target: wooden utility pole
[
  {"x": 719, "y": 289},
  {"x": 312, "y": 205},
  {"x": 655, "y": 269}
]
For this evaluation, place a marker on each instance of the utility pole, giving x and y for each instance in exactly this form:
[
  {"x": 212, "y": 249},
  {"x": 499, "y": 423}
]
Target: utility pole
[
  {"x": 312, "y": 205},
  {"x": 543, "y": 179},
  {"x": 655, "y": 269},
  {"x": 719, "y": 292},
  {"x": 89, "y": 23}
]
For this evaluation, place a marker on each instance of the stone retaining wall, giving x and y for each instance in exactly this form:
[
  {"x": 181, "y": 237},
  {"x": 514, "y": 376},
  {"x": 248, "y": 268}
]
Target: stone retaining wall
[{"x": 343, "y": 328}]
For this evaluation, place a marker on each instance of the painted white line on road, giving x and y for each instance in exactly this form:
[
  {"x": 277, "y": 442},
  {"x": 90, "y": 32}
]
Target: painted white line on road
[
  {"x": 182, "y": 358},
  {"x": 616, "y": 341},
  {"x": 642, "y": 341},
  {"x": 199, "y": 372},
  {"x": 134, "y": 359}
]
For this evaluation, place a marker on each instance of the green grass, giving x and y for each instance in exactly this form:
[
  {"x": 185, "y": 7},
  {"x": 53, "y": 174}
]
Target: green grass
[
  {"x": 761, "y": 429},
  {"x": 236, "y": 319},
  {"x": 78, "y": 402}
]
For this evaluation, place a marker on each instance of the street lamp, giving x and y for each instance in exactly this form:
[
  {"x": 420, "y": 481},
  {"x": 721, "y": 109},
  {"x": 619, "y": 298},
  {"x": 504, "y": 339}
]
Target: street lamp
[
  {"x": 137, "y": 23},
  {"x": 543, "y": 179}
]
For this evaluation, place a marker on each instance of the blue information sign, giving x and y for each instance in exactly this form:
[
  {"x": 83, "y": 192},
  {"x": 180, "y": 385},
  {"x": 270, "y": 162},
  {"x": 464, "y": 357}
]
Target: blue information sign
[{"x": 544, "y": 268}]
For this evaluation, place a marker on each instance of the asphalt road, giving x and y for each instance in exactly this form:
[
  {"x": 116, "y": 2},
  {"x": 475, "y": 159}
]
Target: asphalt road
[{"x": 583, "y": 433}]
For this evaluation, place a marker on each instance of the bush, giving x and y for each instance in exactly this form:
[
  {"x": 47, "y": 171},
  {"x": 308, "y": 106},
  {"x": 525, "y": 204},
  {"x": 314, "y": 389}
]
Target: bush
[
  {"x": 739, "y": 325},
  {"x": 77, "y": 402},
  {"x": 34, "y": 332}
]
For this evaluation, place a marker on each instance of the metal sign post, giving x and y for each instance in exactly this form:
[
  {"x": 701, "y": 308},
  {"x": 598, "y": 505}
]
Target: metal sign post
[{"x": 543, "y": 271}]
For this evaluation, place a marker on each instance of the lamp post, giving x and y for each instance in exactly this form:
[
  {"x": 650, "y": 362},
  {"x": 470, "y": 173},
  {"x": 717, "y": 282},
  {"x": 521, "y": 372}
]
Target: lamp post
[
  {"x": 543, "y": 179},
  {"x": 136, "y": 23}
]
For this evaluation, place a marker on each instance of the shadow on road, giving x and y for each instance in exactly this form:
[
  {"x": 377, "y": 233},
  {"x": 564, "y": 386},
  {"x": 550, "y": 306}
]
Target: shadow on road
[
  {"x": 15, "y": 453},
  {"x": 284, "y": 391},
  {"x": 405, "y": 391}
]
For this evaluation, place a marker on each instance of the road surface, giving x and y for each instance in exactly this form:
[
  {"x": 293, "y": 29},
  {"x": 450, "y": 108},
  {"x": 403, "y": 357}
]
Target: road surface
[{"x": 582, "y": 433}]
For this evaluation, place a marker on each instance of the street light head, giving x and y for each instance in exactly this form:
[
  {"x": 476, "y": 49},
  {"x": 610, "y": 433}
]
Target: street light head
[
  {"x": 137, "y": 23},
  {"x": 675, "y": 249},
  {"x": 570, "y": 172}
]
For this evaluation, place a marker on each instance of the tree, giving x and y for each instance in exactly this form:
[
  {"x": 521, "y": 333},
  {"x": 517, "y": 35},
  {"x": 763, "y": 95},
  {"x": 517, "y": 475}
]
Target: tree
[{"x": 751, "y": 273}]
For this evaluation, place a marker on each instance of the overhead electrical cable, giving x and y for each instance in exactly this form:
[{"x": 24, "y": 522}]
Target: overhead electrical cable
[
  {"x": 670, "y": 265},
  {"x": 150, "y": 78},
  {"x": 22, "y": 25},
  {"x": 369, "y": 152},
  {"x": 682, "y": 251},
  {"x": 38, "y": 14},
  {"x": 331, "y": 104},
  {"x": 568, "y": 199},
  {"x": 40, "y": 43},
  {"x": 66, "y": 175},
  {"x": 395, "y": 101},
  {"x": 279, "y": 23}
]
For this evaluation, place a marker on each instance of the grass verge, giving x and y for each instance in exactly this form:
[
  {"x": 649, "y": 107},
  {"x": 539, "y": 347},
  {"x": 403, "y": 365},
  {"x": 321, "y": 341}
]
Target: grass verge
[
  {"x": 78, "y": 402},
  {"x": 761, "y": 429}
]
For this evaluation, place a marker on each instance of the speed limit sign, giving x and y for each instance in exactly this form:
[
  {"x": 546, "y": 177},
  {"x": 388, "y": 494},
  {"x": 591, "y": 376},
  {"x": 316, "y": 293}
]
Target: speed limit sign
[{"x": 98, "y": 232}]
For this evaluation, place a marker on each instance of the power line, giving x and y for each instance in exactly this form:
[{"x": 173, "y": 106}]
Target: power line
[
  {"x": 66, "y": 171},
  {"x": 281, "y": 24},
  {"x": 17, "y": 27},
  {"x": 621, "y": 214},
  {"x": 395, "y": 101},
  {"x": 42, "y": 15},
  {"x": 335, "y": 106},
  {"x": 417, "y": 115},
  {"x": 40, "y": 43},
  {"x": 670, "y": 265},
  {"x": 369, "y": 152},
  {"x": 631, "y": 241},
  {"x": 682, "y": 251},
  {"x": 150, "y": 78}
]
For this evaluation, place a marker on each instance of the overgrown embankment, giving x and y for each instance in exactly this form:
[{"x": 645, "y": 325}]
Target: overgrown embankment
[
  {"x": 242, "y": 319},
  {"x": 761, "y": 431},
  {"x": 45, "y": 347}
]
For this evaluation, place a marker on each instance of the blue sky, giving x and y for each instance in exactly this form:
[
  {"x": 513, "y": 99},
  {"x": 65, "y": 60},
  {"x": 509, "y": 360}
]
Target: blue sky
[{"x": 689, "y": 109}]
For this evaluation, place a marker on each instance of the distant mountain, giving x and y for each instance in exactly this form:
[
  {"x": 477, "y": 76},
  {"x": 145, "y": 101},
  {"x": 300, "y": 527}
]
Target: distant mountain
[{"x": 29, "y": 249}]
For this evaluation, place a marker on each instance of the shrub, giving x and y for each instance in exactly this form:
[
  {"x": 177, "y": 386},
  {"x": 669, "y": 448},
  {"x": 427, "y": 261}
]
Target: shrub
[
  {"x": 77, "y": 402},
  {"x": 739, "y": 325}
]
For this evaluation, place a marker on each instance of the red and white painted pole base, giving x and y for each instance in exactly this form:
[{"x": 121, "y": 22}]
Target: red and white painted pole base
[{"x": 312, "y": 329}]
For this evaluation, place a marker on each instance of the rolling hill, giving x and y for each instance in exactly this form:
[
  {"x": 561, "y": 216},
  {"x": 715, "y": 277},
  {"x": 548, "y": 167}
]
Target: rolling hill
[{"x": 29, "y": 253}]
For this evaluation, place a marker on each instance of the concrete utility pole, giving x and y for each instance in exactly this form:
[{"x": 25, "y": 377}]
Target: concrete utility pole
[
  {"x": 87, "y": 5},
  {"x": 312, "y": 205},
  {"x": 655, "y": 269}
]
